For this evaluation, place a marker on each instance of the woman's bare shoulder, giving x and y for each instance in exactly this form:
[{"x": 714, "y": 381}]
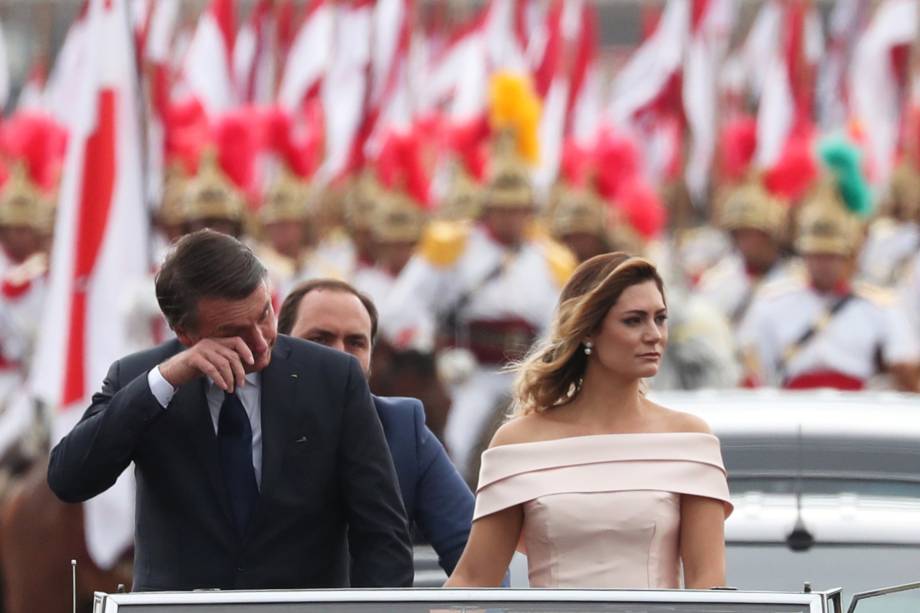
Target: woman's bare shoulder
[
  {"x": 679, "y": 421},
  {"x": 521, "y": 429}
]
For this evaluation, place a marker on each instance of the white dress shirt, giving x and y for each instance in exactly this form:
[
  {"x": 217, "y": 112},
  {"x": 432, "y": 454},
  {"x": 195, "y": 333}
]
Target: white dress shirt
[{"x": 249, "y": 395}]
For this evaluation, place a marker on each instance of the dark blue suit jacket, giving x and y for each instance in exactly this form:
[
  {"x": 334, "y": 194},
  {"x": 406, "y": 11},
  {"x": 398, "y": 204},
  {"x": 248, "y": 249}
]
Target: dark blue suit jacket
[
  {"x": 435, "y": 496},
  {"x": 329, "y": 489}
]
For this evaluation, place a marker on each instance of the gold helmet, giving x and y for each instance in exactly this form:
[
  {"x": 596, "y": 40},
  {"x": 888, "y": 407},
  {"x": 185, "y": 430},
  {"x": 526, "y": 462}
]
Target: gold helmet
[
  {"x": 286, "y": 200},
  {"x": 577, "y": 210},
  {"x": 211, "y": 195},
  {"x": 23, "y": 204},
  {"x": 514, "y": 115},
  {"x": 34, "y": 146},
  {"x": 509, "y": 187},
  {"x": 361, "y": 201},
  {"x": 826, "y": 226},
  {"x": 397, "y": 220},
  {"x": 751, "y": 206},
  {"x": 832, "y": 219},
  {"x": 904, "y": 194},
  {"x": 463, "y": 200},
  {"x": 403, "y": 189}
]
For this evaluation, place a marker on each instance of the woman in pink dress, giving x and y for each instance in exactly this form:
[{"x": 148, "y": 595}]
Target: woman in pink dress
[{"x": 599, "y": 486}]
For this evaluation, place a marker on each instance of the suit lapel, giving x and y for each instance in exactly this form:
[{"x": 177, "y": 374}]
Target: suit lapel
[
  {"x": 192, "y": 401},
  {"x": 279, "y": 382}
]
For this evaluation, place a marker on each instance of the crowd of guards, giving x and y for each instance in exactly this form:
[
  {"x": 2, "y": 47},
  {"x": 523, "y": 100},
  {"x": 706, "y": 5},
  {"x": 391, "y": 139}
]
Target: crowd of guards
[{"x": 814, "y": 284}]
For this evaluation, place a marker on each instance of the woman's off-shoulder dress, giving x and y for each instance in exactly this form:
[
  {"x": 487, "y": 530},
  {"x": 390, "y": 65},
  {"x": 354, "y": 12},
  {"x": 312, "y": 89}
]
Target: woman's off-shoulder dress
[{"x": 602, "y": 511}]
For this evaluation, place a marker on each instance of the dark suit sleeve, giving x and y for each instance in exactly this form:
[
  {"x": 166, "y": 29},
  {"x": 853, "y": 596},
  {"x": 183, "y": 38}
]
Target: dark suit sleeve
[
  {"x": 444, "y": 503},
  {"x": 90, "y": 458},
  {"x": 378, "y": 532}
]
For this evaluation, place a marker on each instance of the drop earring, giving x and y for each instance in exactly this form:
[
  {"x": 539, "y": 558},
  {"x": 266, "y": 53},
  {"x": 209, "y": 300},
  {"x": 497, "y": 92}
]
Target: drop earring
[{"x": 589, "y": 347}]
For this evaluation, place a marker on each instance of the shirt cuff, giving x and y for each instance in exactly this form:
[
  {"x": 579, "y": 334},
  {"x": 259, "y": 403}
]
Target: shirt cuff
[{"x": 161, "y": 389}]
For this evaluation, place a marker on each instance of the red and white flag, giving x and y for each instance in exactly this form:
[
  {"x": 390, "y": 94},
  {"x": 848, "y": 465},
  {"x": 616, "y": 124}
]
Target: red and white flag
[
  {"x": 645, "y": 102},
  {"x": 99, "y": 239},
  {"x": 652, "y": 67},
  {"x": 67, "y": 73},
  {"x": 878, "y": 80},
  {"x": 208, "y": 67},
  {"x": 506, "y": 31},
  {"x": 790, "y": 46},
  {"x": 847, "y": 20},
  {"x": 159, "y": 38},
  {"x": 4, "y": 71},
  {"x": 345, "y": 88},
  {"x": 568, "y": 59},
  {"x": 255, "y": 55},
  {"x": 711, "y": 25},
  {"x": 458, "y": 76},
  {"x": 390, "y": 103},
  {"x": 309, "y": 57}
]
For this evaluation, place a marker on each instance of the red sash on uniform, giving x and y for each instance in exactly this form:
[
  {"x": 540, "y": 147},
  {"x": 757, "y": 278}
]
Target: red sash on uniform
[
  {"x": 825, "y": 378},
  {"x": 500, "y": 341}
]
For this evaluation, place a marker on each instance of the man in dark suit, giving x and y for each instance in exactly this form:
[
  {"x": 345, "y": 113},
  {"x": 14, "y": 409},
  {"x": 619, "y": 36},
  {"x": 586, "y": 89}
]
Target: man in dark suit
[
  {"x": 436, "y": 498},
  {"x": 260, "y": 461}
]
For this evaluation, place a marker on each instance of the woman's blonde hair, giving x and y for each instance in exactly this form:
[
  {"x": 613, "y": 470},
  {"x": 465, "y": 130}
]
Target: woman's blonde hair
[{"x": 551, "y": 374}]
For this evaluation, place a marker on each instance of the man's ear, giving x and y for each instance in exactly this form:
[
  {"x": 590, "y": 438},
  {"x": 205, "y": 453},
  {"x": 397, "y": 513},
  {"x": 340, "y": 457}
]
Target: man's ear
[{"x": 185, "y": 337}]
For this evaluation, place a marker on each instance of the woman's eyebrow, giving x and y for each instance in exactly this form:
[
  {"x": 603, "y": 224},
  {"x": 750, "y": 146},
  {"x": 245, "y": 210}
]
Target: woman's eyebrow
[{"x": 641, "y": 312}]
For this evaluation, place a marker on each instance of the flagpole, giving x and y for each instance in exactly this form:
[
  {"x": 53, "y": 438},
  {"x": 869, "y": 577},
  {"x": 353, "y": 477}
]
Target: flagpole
[{"x": 143, "y": 131}]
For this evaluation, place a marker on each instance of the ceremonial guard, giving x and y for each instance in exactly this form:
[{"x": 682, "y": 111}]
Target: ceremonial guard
[
  {"x": 579, "y": 221},
  {"x": 289, "y": 217},
  {"x": 909, "y": 294},
  {"x": 488, "y": 288},
  {"x": 32, "y": 149},
  {"x": 894, "y": 237},
  {"x": 756, "y": 221},
  {"x": 578, "y": 217},
  {"x": 819, "y": 329},
  {"x": 348, "y": 245},
  {"x": 212, "y": 200},
  {"x": 32, "y": 145},
  {"x": 286, "y": 244},
  {"x": 401, "y": 200},
  {"x": 397, "y": 227}
]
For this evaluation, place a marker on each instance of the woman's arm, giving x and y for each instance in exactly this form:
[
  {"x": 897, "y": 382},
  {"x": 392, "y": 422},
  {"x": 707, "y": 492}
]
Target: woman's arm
[
  {"x": 488, "y": 552},
  {"x": 702, "y": 541}
]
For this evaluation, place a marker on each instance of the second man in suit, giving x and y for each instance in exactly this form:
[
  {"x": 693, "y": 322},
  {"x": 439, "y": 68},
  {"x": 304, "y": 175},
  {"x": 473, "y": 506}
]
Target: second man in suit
[{"x": 437, "y": 500}]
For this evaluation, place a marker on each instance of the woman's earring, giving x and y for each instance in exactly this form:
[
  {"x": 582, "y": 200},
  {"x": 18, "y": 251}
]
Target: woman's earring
[{"x": 589, "y": 347}]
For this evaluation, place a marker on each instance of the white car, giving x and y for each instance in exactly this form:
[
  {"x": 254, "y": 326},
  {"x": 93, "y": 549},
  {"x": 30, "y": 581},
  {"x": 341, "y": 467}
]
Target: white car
[
  {"x": 826, "y": 486},
  {"x": 498, "y": 601}
]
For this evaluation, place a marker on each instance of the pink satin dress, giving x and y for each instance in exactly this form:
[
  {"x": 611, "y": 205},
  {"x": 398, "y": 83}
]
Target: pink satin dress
[{"x": 602, "y": 511}]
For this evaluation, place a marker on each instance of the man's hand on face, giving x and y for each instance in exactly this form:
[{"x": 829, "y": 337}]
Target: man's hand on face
[{"x": 223, "y": 360}]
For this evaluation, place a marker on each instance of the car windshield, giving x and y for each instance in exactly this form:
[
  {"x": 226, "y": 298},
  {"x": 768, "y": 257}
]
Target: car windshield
[{"x": 826, "y": 487}]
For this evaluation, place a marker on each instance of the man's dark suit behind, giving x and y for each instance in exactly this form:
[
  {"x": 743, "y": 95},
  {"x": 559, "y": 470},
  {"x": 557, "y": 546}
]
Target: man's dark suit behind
[
  {"x": 325, "y": 471},
  {"x": 436, "y": 498}
]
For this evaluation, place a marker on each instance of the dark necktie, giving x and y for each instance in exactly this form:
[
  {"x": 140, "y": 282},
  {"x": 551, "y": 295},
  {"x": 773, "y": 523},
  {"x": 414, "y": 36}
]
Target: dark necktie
[{"x": 234, "y": 442}]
